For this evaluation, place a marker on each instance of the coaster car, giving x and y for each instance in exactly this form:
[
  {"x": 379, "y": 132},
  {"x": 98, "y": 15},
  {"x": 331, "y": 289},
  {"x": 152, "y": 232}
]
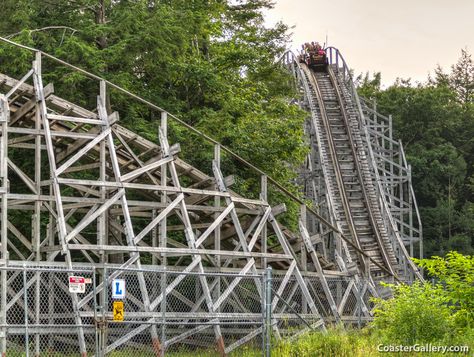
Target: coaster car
[{"x": 317, "y": 61}]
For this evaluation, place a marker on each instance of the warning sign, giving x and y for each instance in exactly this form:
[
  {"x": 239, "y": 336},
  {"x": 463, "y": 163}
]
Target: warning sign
[
  {"x": 118, "y": 310},
  {"x": 77, "y": 284}
]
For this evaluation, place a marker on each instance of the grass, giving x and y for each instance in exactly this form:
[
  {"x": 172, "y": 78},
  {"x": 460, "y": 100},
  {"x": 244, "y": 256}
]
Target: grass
[
  {"x": 336, "y": 342},
  {"x": 357, "y": 343}
]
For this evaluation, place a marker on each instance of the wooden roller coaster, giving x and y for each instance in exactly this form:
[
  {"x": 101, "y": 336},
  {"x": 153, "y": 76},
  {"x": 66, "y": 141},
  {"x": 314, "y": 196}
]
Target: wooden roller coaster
[{"x": 100, "y": 196}]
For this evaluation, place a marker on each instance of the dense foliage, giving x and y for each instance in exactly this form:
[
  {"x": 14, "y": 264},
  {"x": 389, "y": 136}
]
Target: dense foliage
[
  {"x": 418, "y": 314},
  {"x": 435, "y": 121},
  {"x": 210, "y": 62},
  {"x": 430, "y": 311},
  {"x": 456, "y": 273}
]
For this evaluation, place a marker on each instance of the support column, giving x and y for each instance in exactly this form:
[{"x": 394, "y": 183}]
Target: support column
[
  {"x": 410, "y": 212},
  {"x": 36, "y": 228},
  {"x": 163, "y": 242},
  {"x": 391, "y": 156},
  {"x": 401, "y": 204},
  {"x": 164, "y": 182},
  {"x": 217, "y": 231},
  {"x": 264, "y": 197},
  {"x": 128, "y": 225},
  {"x": 4, "y": 118},
  {"x": 102, "y": 219},
  {"x": 303, "y": 262},
  {"x": 39, "y": 93}
]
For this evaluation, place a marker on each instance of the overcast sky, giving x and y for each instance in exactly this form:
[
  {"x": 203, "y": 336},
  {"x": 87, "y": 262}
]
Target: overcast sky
[{"x": 400, "y": 38}]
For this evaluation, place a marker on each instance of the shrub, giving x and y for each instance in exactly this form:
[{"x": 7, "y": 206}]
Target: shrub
[
  {"x": 456, "y": 273},
  {"x": 417, "y": 313}
]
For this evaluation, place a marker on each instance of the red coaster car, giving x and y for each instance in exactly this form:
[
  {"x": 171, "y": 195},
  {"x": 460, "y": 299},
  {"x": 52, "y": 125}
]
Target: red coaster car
[{"x": 317, "y": 60}]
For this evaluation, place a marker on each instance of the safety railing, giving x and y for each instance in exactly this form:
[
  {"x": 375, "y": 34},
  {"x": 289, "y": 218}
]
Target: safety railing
[
  {"x": 342, "y": 69},
  {"x": 344, "y": 75}
]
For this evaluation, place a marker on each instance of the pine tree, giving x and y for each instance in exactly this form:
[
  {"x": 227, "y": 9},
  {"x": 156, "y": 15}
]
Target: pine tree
[{"x": 462, "y": 78}]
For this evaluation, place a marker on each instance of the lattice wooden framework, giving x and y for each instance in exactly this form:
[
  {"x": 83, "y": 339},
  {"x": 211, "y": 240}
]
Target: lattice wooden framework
[{"x": 101, "y": 195}]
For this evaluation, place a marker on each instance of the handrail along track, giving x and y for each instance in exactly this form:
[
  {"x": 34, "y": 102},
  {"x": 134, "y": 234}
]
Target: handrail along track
[
  {"x": 336, "y": 167},
  {"x": 271, "y": 180},
  {"x": 390, "y": 245}
]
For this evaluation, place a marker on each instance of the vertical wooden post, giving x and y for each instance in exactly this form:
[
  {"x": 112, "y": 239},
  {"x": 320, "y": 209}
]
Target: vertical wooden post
[
  {"x": 164, "y": 182},
  {"x": 303, "y": 261},
  {"x": 410, "y": 211},
  {"x": 102, "y": 220},
  {"x": 163, "y": 237},
  {"x": 36, "y": 229},
  {"x": 4, "y": 118},
  {"x": 39, "y": 93},
  {"x": 390, "y": 135},
  {"x": 400, "y": 185},
  {"x": 154, "y": 237},
  {"x": 303, "y": 218},
  {"x": 264, "y": 197},
  {"x": 217, "y": 231}
]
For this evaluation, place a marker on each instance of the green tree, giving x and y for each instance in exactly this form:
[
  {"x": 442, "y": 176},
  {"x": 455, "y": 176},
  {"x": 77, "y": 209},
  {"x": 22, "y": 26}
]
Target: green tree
[
  {"x": 210, "y": 62},
  {"x": 435, "y": 121},
  {"x": 461, "y": 78}
]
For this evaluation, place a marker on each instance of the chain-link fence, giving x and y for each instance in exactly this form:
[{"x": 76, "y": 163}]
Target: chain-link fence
[
  {"x": 141, "y": 312},
  {"x": 40, "y": 317},
  {"x": 182, "y": 312},
  {"x": 156, "y": 312},
  {"x": 346, "y": 300}
]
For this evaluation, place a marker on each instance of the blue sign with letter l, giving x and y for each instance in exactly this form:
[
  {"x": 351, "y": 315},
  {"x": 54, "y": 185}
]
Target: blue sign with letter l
[{"x": 118, "y": 289}]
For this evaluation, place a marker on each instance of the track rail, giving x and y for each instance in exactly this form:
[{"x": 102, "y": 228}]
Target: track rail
[
  {"x": 371, "y": 208},
  {"x": 388, "y": 255},
  {"x": 336, "y": 166},
  {"x": 349, "y": 190}
]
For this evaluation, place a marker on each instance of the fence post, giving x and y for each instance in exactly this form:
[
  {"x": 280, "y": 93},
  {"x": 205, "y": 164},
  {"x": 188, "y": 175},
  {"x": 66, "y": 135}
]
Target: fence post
[
  {"x": 163, "y": 310},
  {"x": 264, "y": 312},
  {"x": 25, "y": 297},
  {"x": 104, "y": 308},
  {"x": 96, "y": 310},
  {"x": 268, "y": 311},
  {"x": 359, "y": 311}
]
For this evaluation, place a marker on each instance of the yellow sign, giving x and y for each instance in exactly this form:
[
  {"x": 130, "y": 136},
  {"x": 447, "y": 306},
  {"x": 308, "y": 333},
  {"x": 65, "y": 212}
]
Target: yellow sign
[{"x": 118, "y": 310}]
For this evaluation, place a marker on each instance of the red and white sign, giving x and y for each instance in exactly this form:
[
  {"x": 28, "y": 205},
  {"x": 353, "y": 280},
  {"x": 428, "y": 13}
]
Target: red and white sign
[{"x": 77, "y": 284}]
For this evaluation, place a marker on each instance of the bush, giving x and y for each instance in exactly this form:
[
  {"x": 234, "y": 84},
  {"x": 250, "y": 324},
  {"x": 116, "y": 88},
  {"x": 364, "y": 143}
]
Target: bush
[
  {"x": 456, "y": 273},
  {"x": 419, "y": 313}
]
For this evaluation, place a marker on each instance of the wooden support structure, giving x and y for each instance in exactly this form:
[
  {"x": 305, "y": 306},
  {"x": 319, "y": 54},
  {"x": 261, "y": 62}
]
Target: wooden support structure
[
  {"x": 366, "y": 191},
  {"x": 103, "y": 198}
]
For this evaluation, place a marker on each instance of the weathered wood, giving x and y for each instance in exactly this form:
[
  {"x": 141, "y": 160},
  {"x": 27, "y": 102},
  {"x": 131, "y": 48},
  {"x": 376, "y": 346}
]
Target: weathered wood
[
  {"x": 30, "y": 105},
  {"x": 94, "y": 161}
]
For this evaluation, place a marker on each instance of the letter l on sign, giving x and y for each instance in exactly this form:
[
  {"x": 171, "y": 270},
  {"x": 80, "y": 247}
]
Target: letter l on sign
[{"x": 118, "y": 289}]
